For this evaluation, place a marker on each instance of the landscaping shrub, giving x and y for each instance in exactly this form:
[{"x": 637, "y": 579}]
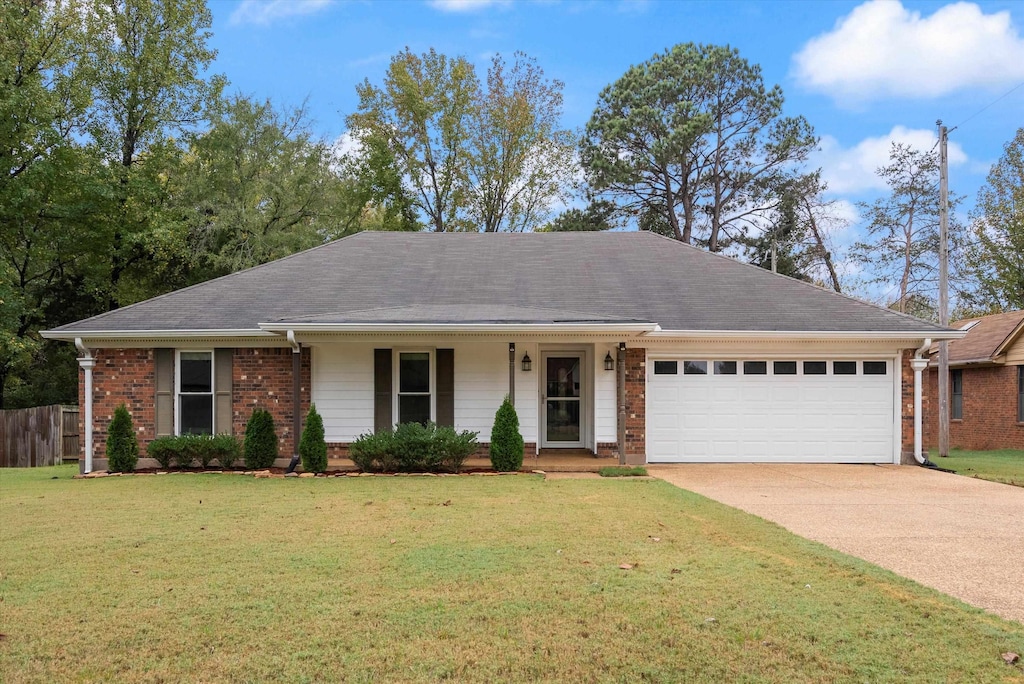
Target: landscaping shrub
[
  {"x": 226, "y": 450},
  {"x": 506, "y": 443},
  {"x": 312, "y": 447},
  {"x": 372, "y": 452},
  {"x": 163, "y": 449},
  {"x": 184, "y": 450},
  {"x": 122, "y": 446},
  {"x": 260, "y": 440},
  {"x": 414, "y": 448}
]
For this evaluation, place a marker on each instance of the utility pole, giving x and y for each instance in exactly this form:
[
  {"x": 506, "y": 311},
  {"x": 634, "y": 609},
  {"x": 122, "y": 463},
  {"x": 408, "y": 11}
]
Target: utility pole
[{"x": 943, "y": 290}]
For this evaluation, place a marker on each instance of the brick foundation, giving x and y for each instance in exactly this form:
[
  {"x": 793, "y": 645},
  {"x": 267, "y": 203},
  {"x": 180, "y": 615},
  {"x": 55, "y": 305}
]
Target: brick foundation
[
  {"x": 989, "y": 410},
  {"x": 262, "y": 378},
  {"x": 119, "y": 376},
  {"x": 636, "y": 405}
]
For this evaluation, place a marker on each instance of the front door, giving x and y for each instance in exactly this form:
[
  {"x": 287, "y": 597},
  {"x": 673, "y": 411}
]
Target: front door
[{"x": 562, "y": 400}]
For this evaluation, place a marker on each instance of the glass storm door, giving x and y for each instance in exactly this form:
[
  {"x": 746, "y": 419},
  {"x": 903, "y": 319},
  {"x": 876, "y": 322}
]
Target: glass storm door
[{"x": 562, "y": 400}]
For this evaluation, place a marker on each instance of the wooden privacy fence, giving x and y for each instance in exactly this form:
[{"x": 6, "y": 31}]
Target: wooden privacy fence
[{"x": 39, "y": 436}]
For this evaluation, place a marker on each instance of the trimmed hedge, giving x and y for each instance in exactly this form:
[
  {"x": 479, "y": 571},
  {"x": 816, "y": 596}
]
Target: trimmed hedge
[
  {"x": 507, "y": 445},
  {"x": 312, "y": 446},
  {"x": 122, "y": 446},
  {"x": 185, "y": 450},
  {"x": 414, "y": 448},
  {"x": 260, "y": 440}
]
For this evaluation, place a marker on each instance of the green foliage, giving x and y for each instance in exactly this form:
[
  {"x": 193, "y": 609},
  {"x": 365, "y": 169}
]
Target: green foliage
[
  {"x": 312, "y": 446},
  {"x": 622, "y": 471},
  {"x": 260, "y": 440},
  {"x": 995, "y": 259},
  {"x": 185, "y": 450},
  {"x": 414, "y": 448},
  {"x": 122, "y": 446},
  {"x": 598, "y": 215},
  {"x": 694, "y": 134},
  {"x": 507, "y": 446}
]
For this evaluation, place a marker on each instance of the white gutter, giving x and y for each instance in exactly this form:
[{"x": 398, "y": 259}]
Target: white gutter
[
  {"x": 919, "y": 364},
  {"x": 638, "y": 328},
  {"x": 149, "y": 334},
  {"x": 86, "y": 361},
  {"x": 800, "y": 334}
]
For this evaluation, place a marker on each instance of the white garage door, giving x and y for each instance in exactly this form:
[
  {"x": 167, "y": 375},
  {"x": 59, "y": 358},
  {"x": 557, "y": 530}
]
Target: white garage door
[{"x": 805, "y": 411}]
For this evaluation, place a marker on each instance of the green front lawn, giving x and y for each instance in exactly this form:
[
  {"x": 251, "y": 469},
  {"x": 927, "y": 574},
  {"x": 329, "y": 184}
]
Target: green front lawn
[
  {"x": 1005, "y": 465},
  {"x": 514, "y": 578}
]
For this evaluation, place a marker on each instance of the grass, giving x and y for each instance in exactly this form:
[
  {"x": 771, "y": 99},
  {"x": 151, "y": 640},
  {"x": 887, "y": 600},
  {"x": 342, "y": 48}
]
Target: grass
[
  {"x": 622, "y": 471},
  {"x": 1005, "y": 465},
  {"x": 230, "y": 578}
]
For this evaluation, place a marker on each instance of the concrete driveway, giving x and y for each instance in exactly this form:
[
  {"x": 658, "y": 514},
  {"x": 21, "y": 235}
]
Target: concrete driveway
[{"x": 962, "y": 536}]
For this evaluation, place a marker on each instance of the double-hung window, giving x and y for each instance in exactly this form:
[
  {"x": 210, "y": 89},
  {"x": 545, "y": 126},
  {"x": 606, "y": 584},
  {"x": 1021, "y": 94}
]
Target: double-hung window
[
  {"x": 195, "y": 393},
  {"x": 415, "y": 388},
  {"x": 956, "y": 398}
]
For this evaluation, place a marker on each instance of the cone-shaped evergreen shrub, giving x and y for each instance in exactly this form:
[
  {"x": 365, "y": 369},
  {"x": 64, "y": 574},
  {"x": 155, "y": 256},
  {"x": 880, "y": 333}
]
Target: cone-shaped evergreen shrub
[
  {"x": 312, "y": 447},
  {"x": 260, "y": 440},
  {"x": 122, "y": 447},
  {"x": 506, "y": 442}
]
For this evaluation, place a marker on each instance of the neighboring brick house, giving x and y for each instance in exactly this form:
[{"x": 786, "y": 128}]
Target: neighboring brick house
[
  {"x": 986, "y": 383},
  {"x": 615, "y": 343}
]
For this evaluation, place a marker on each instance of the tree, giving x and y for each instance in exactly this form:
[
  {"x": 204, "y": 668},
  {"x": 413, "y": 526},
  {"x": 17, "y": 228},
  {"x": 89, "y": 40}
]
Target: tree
[
  {"x": 122, "y": 446},
  {"x": 694, "y": 135},
  {"x": 598, "y": 215},
  {"x": 903, "y": 230},
  {"x": 521, "y": 162},
  {"x": 995, "y": 260},
  {"x": 148, "y": 87},
  {"x": 799, "y": 226},
  {"x": 422, "y": 111},
  {"x": 312, "y": 447},
  {"x": 255, "y": 186}
]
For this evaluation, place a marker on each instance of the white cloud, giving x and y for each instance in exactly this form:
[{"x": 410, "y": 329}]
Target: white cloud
[
  {"x": 853, "y": 169},
  {"x": 267, "y": 11},
  {"x": 882, "y": 49},
  {"x": 465, "y": 5}
]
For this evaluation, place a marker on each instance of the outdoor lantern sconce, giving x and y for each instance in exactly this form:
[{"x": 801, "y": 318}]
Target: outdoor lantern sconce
[
  {"x": 527, "y": 363},
  {"x": 609, "y": 362}
]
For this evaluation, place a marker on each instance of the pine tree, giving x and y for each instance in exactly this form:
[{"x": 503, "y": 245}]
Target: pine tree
[
  {"x": 312, "y": 447},
  {"x": 506, "y": 443},
  {"x": 122, "y": 447}
]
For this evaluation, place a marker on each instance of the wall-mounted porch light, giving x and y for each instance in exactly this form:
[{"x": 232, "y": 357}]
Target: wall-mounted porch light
[
  {"x": 527, "y": 363},
  {"x": 609, "y": 362}
]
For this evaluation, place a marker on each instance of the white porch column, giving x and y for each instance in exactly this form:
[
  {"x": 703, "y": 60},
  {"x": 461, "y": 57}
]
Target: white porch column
[{"x": 86, "y": 361}]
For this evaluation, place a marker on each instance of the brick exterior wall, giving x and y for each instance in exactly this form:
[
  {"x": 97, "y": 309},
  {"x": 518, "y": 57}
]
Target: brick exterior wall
[
  {"x": 636, "y": 405},
  {"x": 262, "y": 377},
  {"x": 989, "y": 410},
  {"x": 907, "y": 406},
  {"x": 120, "y": 375}
]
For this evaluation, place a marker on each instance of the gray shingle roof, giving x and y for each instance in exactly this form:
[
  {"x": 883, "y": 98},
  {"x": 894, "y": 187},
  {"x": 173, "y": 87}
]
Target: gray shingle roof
[{"x": 521, "y": 277}]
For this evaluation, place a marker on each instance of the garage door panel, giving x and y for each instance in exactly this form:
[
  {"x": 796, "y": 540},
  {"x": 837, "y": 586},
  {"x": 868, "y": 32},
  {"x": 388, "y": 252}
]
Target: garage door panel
[{"x": 737, "y": 418}]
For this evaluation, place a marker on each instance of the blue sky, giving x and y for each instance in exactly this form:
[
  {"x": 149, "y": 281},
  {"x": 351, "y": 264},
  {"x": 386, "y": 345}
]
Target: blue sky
[{"x": 863, "y": 73}]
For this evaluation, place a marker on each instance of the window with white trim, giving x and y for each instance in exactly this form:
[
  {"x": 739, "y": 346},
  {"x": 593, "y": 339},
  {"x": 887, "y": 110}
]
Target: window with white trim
[
  {"x": 195, "y": 392},
  {"x": 415, "y": 389}
]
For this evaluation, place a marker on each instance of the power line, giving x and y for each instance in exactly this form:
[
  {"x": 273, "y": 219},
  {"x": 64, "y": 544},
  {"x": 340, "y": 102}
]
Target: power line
[{"x": 993, "y": 102}]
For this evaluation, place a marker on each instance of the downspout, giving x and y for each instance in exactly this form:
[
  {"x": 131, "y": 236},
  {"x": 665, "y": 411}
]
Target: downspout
[
  {"x": 512, "y": 373},
  {"x": 620, "y": 373},
  {"x": 296, "y": 399},
  {"x": 919, "y": 364},
  {"x": 86, "y": 361}
]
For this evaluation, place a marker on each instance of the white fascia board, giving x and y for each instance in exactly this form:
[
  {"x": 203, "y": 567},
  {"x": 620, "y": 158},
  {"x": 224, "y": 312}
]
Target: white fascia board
[
  {"x": 538, "y": 328},
  {"x": 150, "y": 334},
  {"x": 802, "y": 335}
]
